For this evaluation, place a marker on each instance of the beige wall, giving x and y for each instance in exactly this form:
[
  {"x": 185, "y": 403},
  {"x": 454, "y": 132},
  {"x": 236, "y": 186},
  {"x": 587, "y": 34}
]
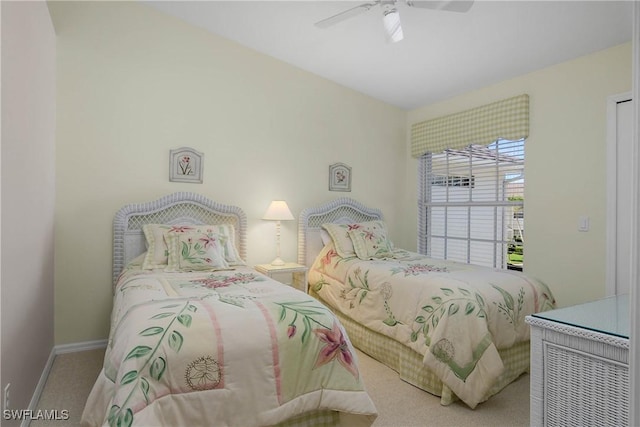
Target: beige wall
[
  {"x": 134, "y": 83},
  {"x": 565, "y": 167},
  {"x": 28, "y": 186}
]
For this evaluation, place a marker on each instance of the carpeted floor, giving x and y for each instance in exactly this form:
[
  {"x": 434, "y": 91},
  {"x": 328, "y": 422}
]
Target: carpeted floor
[{"x": 399, "y": 404}]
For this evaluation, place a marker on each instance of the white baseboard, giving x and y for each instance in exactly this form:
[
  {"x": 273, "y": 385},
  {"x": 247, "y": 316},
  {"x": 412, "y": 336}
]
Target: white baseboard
[
  {"x": 38, "y": 391},
  {"x": 80, "y": 346},
  {"x": 56, "y": 350}
]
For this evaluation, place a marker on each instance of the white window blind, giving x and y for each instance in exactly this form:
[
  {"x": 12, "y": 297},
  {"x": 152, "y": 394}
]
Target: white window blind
[{"x": 471, "y": 206}]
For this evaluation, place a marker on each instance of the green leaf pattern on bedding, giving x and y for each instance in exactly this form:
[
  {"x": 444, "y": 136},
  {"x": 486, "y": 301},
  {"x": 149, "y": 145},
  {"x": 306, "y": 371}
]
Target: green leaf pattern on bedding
[
  {"x": 448, "y": 303},
  {"x": 335, "y": 347},
  {"x": 456, "y": 315},
  {"x": 306, "y": 310},
  {"x": 172, "y": 317},
  {"x": 417, "y": 269},
  {"x": 360, "y": 289},
  {"x": 444, "y": 351},
  {"x": 141, "y": 369},
  {"x": 509, "y": 308}
]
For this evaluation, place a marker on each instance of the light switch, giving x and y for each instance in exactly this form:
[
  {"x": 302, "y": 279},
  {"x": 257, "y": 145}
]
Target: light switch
[{"x": 583, "y": 223}]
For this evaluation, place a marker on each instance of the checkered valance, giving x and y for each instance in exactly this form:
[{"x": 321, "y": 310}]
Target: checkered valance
[{"x": 506, "y": 119}]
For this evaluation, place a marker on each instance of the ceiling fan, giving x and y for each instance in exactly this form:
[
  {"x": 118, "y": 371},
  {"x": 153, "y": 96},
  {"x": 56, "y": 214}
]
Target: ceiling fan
[{"x": 390, "y": 15}]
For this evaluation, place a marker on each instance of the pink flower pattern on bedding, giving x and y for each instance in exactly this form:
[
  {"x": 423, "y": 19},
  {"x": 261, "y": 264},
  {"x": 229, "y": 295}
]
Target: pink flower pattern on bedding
[
  {"x": 194, "y": 337},
  {"x": 214, "y": 281},
  {"x": 336, "y": 348}
]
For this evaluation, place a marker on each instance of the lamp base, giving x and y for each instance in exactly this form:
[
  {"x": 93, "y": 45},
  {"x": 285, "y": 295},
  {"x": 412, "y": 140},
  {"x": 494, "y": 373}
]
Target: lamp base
[{"x": 278, "y": 261}]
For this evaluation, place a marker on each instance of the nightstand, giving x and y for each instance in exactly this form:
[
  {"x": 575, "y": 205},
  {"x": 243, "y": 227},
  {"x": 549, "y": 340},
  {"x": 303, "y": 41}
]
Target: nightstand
[{"x": 298, "y": 273}]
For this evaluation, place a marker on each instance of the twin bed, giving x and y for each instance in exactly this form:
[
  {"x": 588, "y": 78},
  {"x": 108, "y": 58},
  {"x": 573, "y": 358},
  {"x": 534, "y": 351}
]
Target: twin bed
[
  {"x": 199, "y": 338},
  {"x": 452, "y": 329},
  {"x": 205, "y": 340}
]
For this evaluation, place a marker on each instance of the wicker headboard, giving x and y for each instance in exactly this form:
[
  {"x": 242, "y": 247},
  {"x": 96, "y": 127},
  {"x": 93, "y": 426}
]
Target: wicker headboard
[
  {"x": 176, "y": 208},
  {"x": 343, "y": 210}
]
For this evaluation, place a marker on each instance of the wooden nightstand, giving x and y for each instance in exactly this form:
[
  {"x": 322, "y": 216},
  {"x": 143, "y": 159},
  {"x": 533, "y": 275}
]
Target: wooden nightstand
[{"x": 298, "y": 273}]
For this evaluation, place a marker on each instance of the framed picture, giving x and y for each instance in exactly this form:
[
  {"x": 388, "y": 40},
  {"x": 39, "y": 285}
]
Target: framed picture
[
  {"x": 339, "y": 177},
  {"x": 185, "y": 165}
]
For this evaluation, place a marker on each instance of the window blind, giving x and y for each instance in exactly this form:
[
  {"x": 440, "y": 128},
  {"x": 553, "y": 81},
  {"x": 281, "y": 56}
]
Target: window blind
[{"x": 471, "y": 206}]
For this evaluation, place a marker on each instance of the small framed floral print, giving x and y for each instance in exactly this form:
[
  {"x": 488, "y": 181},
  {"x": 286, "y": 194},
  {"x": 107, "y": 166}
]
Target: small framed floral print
[
  {"x": 185, "y": 165},
  {"x": 339, "y": 177}
]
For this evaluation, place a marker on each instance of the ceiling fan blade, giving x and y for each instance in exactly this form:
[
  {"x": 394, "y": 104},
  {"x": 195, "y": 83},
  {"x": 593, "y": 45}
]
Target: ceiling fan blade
[
  {"x": 349, "y": 13},
  {"x": 451, "y": 6}
]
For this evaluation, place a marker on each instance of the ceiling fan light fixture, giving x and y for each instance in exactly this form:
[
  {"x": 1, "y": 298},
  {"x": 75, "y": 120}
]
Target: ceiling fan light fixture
[
  {"x": 392, "y": 27},
  {"x": 390, "y": 15}
]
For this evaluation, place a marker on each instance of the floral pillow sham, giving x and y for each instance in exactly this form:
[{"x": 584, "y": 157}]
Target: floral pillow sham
[
  {"x": 158, "y": 235},
  {"x": 340, "y": 235},
  {"x": 200, "y": 249},
  {"x": 371, "y": 241},
  {"x": 364, "y": 240}
]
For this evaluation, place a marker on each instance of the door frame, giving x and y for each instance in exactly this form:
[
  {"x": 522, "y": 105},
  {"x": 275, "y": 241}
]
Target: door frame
[{"x": 611, "y": 190}]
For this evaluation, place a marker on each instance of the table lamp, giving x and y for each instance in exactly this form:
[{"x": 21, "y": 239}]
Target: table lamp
[{"x": 278, "y": 211}]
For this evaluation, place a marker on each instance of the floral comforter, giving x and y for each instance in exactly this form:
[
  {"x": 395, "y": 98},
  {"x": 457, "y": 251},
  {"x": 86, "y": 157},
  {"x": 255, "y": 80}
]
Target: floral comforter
[
  {"x": 225, "y": 348},
  {"x": 456, "y": 315}
]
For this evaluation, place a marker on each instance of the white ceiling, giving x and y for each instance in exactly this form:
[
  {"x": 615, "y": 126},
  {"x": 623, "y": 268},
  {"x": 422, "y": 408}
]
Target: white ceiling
[{"x": 443, "y": 54}]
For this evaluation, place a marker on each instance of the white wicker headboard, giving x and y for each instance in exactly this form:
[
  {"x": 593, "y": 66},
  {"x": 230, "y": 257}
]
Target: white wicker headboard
[
  {"x": 342, "y": 210},
  {"x": 176, "y": 208}
]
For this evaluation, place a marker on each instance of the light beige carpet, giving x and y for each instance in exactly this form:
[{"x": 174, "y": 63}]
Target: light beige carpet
[{"x": 399, "y": 404}]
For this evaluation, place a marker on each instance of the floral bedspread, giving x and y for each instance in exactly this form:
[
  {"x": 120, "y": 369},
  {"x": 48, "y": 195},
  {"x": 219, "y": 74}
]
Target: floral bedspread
[
  {"x": 234, "y": 348},
  {"x": 455, "y": 314}
]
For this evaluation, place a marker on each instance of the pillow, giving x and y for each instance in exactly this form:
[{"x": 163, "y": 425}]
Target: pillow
[
  {"x": 157, "y": 251},
  {"x": 156, "y": 247},
  {"x": 341, "y": 240},
  {"x": 340, "y": 235},
  {"x": 137, "y": 261},
  {"x": 230, "y": 251},
  {"x": 326, "y": 239},
  {"x": 201, "y": 249},
  {"x": 370, "y": 240}
]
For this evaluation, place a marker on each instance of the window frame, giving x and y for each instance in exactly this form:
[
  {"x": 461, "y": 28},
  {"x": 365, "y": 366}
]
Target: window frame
[{"x": 427, "y": 179}]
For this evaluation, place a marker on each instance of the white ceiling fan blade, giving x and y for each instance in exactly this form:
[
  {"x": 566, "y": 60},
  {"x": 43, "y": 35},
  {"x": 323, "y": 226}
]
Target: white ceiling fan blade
[
  {"x": 451, "y": 6},
  {"x": 349, "y": 13}
]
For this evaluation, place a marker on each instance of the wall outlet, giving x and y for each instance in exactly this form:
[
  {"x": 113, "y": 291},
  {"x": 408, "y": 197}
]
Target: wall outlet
[{"x": 5, "y": 401}]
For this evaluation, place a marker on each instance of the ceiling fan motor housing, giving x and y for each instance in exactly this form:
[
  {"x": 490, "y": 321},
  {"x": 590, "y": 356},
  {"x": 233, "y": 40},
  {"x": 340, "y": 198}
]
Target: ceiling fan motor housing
[{"x": 391, "y": 21}]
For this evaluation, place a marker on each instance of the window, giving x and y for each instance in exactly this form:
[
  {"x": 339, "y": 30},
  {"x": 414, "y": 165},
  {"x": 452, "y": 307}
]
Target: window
[{"x": 471, "y": 206}]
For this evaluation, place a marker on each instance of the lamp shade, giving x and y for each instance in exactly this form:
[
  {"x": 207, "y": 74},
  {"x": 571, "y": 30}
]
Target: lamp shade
[{"x": 278, "y": 211}]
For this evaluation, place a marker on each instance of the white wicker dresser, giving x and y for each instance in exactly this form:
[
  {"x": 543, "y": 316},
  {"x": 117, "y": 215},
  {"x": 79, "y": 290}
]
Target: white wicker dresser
[{"x": 580, "y": 364}]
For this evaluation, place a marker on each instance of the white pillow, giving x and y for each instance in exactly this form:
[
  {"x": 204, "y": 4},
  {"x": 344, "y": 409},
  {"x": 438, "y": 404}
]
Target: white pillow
[
  {"x": 156, "y": 246},
  {"x": 231, "y": 254},
  {"x": 325, "y": 237}
]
